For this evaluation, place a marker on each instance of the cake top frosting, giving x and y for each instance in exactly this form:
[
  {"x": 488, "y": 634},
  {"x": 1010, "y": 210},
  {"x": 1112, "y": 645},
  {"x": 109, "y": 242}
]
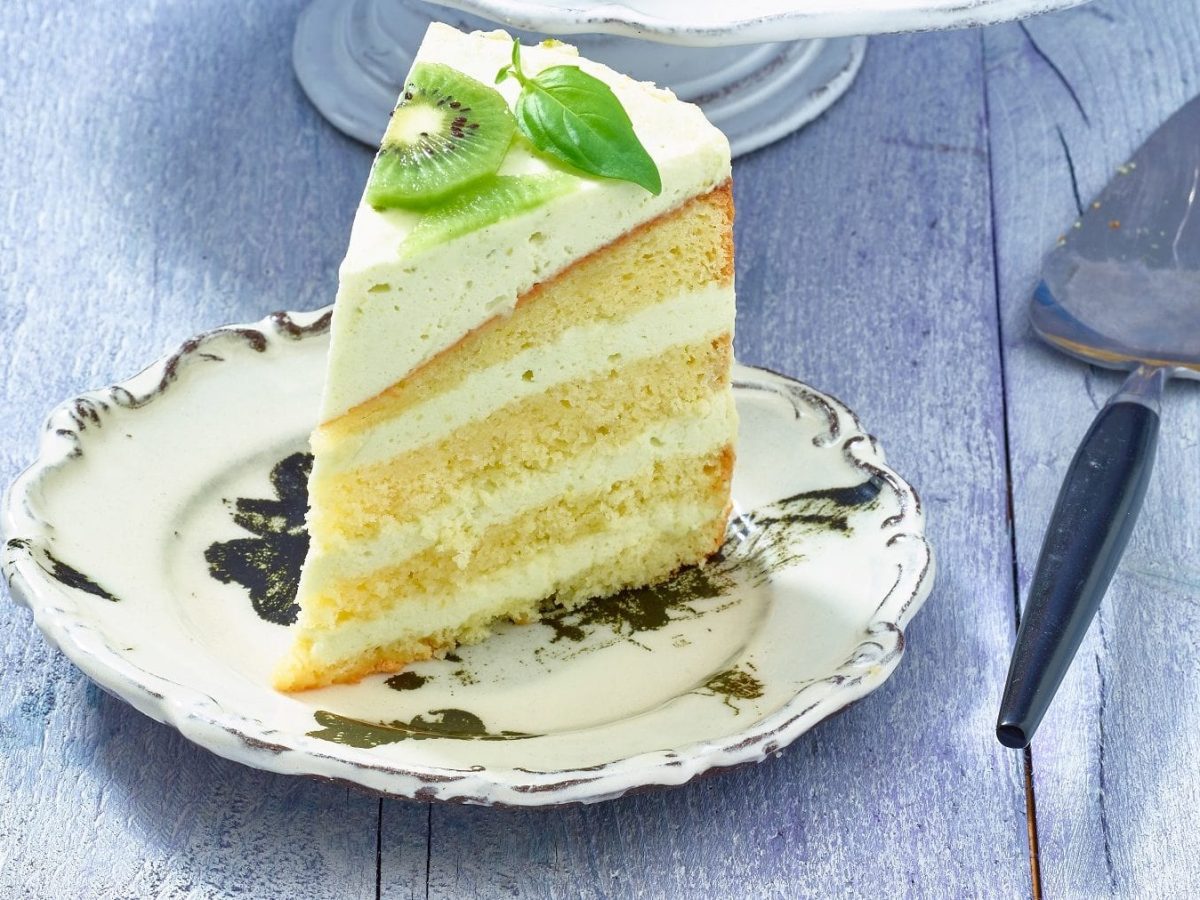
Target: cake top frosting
[{"x": 398, "y": 306}]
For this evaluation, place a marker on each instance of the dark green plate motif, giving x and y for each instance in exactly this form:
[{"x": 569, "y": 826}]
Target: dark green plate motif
[
  {"x": 456, "y": 724},
  {"x": 268, "y": 564}
]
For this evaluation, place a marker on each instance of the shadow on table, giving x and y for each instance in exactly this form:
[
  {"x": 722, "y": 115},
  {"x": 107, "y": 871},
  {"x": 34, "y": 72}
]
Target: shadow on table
[{"x": 204, "y": 820}]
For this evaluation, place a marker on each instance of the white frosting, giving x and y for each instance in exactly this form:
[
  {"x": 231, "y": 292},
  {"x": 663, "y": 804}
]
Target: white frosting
[
  {"x": 417, "y": 617},
  {"x": 476, "y": 509},
  {"x": 578, "y": 353},
  {"x": 394, "y": 312}
]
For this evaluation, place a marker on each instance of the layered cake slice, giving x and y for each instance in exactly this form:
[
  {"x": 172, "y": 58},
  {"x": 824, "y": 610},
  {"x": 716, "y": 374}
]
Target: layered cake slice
[{"x": 528, "y": 397}]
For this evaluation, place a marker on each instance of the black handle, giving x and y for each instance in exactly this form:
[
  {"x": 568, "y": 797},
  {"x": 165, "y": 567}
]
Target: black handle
[{"x": 1089, "y": 528}]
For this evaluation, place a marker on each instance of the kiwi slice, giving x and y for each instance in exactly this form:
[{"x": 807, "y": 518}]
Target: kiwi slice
[
  {"x": 447, "y": 131},
  {"x": 492, "y": 199}
]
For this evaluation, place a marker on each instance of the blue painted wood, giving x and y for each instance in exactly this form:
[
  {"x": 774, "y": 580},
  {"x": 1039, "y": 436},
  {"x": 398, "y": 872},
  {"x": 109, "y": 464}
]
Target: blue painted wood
[
  {"x": 153, "y": 183},
  {"x": 864, "y": 265},
  {"x": 1118, "y": 790},
  {"x": 162, "y": 174}
]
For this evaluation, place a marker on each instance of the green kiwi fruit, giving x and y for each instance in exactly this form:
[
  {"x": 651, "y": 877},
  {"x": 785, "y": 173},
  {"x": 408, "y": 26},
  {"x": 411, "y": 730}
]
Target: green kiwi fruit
[
  {"x": 447, "y": 131},
  {"x": 494, "y": 198}
]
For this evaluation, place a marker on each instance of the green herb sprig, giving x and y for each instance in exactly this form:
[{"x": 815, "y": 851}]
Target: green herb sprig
[{"x": 576, "y": 118}]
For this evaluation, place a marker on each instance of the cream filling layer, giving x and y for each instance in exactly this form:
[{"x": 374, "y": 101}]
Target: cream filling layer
[
  {"x": 418, "y": 617},
  {"x": 395, "y": 309},
  {"x": 578, "y": 353},
  {"x": 460, "y": 523}
]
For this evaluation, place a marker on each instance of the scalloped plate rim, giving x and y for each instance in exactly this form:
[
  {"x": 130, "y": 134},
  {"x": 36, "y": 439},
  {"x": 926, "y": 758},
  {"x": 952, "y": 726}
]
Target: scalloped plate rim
[{"x": 199, "y": 718}]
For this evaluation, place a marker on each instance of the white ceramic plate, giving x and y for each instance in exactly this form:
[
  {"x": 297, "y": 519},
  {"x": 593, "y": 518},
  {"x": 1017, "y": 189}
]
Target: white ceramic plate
[
  {"x": 158, "y": 535},
  {"x": 720, "y": 22}
]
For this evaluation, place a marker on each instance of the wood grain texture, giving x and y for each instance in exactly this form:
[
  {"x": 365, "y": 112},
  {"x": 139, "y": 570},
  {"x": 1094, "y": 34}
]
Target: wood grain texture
[
  {"x": 163, "y": 174},
  {"x": 1118, "y": 791},
  {"x": 864, "y": 266},
  {"x": 151, "y": 188}
]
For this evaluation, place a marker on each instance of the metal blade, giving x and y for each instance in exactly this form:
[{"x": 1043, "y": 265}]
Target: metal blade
[
  {"x": 1147, "y": 212},
  {"x": 1123, "y": 286}
]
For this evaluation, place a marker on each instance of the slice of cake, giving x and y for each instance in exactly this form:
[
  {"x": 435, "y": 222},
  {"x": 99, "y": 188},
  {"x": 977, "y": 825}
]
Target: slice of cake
[{"x": 528, "y": 394}]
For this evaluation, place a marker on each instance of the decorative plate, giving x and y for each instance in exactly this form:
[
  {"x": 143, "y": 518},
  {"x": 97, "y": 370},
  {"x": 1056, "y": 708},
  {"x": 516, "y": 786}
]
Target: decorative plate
[
  {"x": 159, "y": 535},
  {"x": 713, "y": 22}
]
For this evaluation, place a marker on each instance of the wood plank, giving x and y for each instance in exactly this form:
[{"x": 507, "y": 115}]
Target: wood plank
[
  {"x": 1116, "y": 781},
  {"x": 865, "y": 266},
  {"x": 162, "y": 174}
]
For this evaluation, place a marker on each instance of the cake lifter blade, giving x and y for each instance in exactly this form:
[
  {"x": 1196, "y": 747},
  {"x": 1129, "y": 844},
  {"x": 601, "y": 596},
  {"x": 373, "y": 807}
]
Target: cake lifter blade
[{"x": 1121, "y": 290}]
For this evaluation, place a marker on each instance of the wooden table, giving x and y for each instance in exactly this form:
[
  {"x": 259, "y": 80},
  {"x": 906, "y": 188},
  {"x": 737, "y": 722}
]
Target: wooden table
[{"x": 162, "y": 173}]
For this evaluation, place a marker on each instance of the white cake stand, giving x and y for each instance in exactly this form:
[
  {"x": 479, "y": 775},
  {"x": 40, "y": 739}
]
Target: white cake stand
[{"x": 760, "y": 68}]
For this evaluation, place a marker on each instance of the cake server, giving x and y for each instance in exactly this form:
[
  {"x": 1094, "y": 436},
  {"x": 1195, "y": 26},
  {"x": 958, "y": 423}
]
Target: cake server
[{"x": 1121, "y": 290}]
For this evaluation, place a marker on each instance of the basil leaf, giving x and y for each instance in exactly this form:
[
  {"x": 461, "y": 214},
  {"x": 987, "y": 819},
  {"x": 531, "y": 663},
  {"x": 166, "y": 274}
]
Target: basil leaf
[{"x": 576, "y": 117}]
